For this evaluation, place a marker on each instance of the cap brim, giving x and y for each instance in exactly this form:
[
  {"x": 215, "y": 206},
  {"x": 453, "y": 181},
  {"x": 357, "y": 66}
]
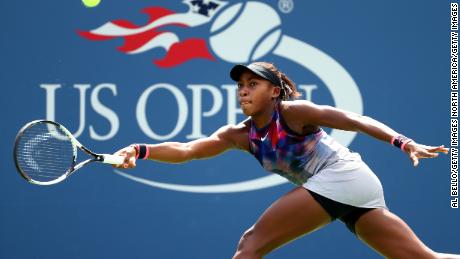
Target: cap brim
[
  {"x": 258, "y": 70},
  {"x": 237, "y": 70}
]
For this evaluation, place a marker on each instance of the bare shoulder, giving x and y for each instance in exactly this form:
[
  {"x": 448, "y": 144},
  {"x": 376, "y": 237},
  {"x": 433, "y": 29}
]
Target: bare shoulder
[
  {"x": 299, "y": 115},
  {"x": 300, "y": 109},
  {"x": 297, "y": 106},
  {"x": 231, "y": 130},
  {"x": 237, "y": 134}
]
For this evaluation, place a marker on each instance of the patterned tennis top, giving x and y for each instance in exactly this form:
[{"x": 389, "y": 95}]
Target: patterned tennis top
[{"x": 296, "y": 157}]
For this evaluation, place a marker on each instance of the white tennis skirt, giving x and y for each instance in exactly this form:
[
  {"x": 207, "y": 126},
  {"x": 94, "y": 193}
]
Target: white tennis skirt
[{"x": 349, "y": 181}]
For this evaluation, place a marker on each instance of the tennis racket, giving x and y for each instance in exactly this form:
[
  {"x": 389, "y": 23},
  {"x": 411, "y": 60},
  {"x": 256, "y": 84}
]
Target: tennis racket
[{"x": 45, "y": 153}]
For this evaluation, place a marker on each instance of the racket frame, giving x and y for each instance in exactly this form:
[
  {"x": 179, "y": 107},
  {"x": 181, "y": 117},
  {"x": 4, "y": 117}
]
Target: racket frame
[{"x": 103, "y": 158}]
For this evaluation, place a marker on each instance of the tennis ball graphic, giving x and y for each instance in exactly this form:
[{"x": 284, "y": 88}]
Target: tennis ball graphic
[{"x": 245, "y": 32}]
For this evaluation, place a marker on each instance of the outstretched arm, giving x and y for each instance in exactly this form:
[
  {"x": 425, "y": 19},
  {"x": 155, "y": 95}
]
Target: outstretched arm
[
  {"x": 225, "y": 138},
  {"x": 328, "y": 116}
]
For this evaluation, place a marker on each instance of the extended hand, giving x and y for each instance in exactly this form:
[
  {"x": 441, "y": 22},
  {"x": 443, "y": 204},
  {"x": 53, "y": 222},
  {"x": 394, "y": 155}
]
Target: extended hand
[
  {"x": 416, "y": 151},
  {"x": 129, "y": 153}
]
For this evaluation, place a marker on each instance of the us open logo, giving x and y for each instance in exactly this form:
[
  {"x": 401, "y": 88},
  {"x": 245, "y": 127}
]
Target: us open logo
[{"x": 259, "y": 30}]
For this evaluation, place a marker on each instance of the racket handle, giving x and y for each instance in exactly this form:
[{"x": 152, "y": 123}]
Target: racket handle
[{"x": 112, "y": 159}]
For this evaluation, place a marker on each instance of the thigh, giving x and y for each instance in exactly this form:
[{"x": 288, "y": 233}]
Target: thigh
[
  {"x": 391, "y": 236},
  {"x": 293, "y": 215}
]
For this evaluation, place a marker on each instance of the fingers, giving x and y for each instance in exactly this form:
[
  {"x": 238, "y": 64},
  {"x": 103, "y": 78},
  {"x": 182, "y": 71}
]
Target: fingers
[
  {"x": 440, "y": 149},
  {"x": 417, "y": 151},
  {"x": 129, "y": 154},
  {"x": 426, "y": 154},
  {"x": 432, "y": 152},
  {"x": 414, "y": 159},
  {"x": 130, "y": 161}
]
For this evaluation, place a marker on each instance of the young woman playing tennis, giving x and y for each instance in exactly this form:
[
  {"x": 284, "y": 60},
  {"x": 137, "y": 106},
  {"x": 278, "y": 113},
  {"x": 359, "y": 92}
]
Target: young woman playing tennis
[{"x": 286, "y": 138}]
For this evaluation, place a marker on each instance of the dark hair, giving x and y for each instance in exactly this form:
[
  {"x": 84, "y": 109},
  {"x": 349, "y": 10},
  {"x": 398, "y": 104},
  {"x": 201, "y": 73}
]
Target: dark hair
[{"x": 291, "y": 89}]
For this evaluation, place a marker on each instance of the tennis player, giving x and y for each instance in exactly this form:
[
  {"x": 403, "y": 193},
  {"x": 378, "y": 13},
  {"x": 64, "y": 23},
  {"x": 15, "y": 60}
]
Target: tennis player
[{"x": 286, "y": 137}]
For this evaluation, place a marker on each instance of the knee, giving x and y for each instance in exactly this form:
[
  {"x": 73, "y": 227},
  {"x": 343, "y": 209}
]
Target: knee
[{"x": 248, "y": 246}]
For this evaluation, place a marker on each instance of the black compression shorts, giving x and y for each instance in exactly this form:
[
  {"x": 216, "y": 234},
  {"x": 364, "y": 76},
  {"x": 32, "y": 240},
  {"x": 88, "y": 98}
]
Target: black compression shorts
[{"x": 346, "y": 213}]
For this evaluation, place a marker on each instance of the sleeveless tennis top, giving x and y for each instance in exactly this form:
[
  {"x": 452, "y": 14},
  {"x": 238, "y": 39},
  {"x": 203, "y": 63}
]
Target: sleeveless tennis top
[{"x": 296, "y": 157}]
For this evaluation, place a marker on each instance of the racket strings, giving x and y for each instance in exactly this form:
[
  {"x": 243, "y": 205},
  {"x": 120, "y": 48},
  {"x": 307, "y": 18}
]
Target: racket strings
[{"x": 45, "y": 152}]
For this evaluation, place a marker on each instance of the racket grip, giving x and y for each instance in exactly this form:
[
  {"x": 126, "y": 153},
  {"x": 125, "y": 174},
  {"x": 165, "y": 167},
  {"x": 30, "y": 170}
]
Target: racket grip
[{"x": 112, "y": 159}]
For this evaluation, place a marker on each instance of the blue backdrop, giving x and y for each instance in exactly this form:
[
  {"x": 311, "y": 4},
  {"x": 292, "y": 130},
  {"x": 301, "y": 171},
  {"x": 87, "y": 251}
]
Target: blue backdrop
[{"x": 388, "y": 60}]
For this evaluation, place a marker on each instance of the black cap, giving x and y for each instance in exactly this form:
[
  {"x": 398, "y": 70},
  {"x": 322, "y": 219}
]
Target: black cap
[{"x": 257, "y": 69}]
